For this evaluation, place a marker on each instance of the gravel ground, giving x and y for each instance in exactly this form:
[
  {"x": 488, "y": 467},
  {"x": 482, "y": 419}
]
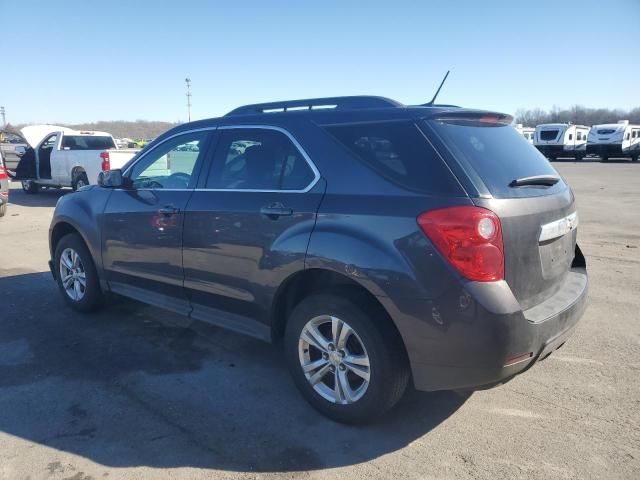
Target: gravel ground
[{"x": 135, "y": 393}]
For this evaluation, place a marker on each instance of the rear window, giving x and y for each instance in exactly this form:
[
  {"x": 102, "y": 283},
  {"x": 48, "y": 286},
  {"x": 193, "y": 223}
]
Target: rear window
[
  {"x": 399, "y": 152},
  {"x": 497, "y": 154},
  {"x": 86, "y": 142}
]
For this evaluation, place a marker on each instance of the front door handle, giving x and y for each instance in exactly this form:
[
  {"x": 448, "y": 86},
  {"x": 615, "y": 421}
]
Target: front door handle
[
  {"x": 168, "y": 210},
  {"x": 276, "y": 210}
]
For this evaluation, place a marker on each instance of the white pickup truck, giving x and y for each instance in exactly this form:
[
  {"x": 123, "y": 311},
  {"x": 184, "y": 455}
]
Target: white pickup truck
[{"x": 60, "y": 157}]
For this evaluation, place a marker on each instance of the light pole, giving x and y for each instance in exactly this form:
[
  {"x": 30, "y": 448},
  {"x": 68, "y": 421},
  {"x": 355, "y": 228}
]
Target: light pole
[
  {"x": 188, "y": 82},
  {"x": 3, "y": 113}
]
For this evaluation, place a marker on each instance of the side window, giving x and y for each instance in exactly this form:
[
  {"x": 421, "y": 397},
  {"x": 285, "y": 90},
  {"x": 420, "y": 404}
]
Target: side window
[
  {"x": 571, "y": 136},
  {"x": 49, "y": 142},
  {"x": 627, "y": 136},
  {"x": 171, "y": 164},
  {"x": 258, "y": 159}
]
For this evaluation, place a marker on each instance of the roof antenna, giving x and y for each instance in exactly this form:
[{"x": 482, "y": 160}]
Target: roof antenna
[{"x": 437, "y": 91}]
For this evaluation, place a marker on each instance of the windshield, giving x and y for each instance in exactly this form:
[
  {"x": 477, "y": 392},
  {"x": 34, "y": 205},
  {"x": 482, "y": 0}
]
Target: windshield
[{"x": 496, "y": 153}]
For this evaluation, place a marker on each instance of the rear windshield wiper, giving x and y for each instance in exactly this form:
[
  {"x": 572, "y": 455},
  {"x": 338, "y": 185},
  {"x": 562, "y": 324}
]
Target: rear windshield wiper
[{"x": 542, "y": 180}]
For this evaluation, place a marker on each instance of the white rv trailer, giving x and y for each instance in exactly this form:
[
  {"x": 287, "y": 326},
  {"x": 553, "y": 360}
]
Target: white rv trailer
[
  {"x": 526, "y": 132},
  {"x": 561, "y": 140},
  {"x": 614, "y": 140}
]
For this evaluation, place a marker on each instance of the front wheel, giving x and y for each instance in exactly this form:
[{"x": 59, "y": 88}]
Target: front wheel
[
  {"x": 76, "y": 274},
  {"x": 348, "y": 361},
  {"x": 29, "y": 186}
]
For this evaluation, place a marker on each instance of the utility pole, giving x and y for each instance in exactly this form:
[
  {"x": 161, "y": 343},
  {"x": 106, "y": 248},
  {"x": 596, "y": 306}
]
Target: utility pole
[
  {"x": 3, "y": 114},
  {"x": 188, "y": 82}
]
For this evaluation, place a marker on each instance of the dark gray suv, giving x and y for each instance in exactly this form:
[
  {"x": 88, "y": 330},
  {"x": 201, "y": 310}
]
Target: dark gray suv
[{"x": 380, "y": 244}]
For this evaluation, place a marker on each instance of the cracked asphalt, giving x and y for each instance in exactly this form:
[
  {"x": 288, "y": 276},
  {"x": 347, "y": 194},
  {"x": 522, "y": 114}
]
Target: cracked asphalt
[{"x": 137, "y": 393}]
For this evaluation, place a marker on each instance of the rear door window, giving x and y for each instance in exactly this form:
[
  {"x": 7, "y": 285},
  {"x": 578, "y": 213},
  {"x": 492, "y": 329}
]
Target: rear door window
[
  {"x": 258, "y": 159},
  {"x": 399, "y": 152},
  {"x": 497, "y": 154}
]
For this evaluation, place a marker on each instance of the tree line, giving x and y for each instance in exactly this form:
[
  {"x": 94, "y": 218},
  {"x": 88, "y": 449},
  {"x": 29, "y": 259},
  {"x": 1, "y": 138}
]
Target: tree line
[
  {"x": 117, "y": 128},
  {"x": 577, "y": 114}
]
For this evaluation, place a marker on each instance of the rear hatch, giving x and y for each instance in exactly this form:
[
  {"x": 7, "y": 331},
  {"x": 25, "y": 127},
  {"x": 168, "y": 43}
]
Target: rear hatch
[{"x": 507, "y": 175}]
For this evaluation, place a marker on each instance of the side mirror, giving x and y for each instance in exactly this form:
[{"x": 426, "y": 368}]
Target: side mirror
[
  {"x": 21, "y": 150},
  {"x": 112, "y": 179}
]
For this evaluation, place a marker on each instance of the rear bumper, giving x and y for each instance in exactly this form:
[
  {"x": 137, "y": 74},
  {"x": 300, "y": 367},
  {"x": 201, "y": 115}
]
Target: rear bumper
[{"x": 490, "y": 340}]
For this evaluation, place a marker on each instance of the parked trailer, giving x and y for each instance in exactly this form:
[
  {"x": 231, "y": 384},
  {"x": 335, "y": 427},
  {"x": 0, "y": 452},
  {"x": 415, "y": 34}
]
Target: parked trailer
[
  {"x": 561, "y": 140},
  {"x": 526, "y": 132},
  {"x": 620, "y": 139}
]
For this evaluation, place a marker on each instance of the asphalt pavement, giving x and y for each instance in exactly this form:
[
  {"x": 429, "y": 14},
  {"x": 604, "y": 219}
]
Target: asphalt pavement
[{"x": 134, "y": 392}]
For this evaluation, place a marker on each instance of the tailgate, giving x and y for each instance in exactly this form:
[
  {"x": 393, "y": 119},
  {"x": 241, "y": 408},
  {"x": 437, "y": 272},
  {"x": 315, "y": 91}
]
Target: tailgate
[{"x": 539, "y": 243}]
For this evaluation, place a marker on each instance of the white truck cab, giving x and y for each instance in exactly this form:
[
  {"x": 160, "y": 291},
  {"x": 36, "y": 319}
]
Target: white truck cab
[{"x": 61, "y": 157}]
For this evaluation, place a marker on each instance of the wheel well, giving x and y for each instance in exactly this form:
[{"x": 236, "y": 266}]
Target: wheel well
[
  {"x": 60, "y": 230},
  {"x": 307, "y": 282},
  {"x": 76, "y": 172}
]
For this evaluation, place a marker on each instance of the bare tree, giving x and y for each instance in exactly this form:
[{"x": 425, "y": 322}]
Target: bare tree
[{"x": 576, "y": 114}]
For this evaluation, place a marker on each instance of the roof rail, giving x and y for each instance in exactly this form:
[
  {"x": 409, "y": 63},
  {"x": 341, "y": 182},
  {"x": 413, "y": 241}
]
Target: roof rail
[{"x": 329, "y": 103}]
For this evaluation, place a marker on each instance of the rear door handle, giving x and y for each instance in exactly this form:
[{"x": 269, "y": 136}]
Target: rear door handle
[
  {"x": 168, "y": 210},
  {"x": 276, "y": 210}
]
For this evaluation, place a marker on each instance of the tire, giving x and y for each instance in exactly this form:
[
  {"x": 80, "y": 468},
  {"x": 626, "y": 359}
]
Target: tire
[
  {"x": 604, "y": 159},
  {"x": 374, "y": 338},
  {"x": 89, "y": 297},
  {"x": 30, "y": 187},
  {"x": 3, "y": 210},
  {"x": 79, "y": 180},
  {"x": 634, "y": 158}
]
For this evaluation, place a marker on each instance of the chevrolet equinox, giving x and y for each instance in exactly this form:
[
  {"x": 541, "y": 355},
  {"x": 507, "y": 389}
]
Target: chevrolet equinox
[{"x": 380, "y": 244}]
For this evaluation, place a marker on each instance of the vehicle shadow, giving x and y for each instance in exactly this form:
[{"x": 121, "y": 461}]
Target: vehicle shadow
[
  {"x": 46, "y": 197},
  {"x": 136, "y": 386}
]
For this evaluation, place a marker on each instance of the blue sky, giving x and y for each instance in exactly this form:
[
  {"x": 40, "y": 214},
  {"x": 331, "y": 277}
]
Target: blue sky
[{"x": 77, "y": 61}]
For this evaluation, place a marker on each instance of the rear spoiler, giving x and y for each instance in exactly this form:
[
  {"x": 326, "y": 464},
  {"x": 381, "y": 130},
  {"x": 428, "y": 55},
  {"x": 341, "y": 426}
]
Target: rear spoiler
[{"x": 476, "y": 116}]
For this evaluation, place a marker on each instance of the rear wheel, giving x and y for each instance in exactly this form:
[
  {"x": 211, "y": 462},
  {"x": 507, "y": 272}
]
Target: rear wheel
[
  {"x": 348, "y": 361},
  {"x": 79, "y": 180},
  {"x": 76, "y": 274},
  {"x": 29, "y": 186}
]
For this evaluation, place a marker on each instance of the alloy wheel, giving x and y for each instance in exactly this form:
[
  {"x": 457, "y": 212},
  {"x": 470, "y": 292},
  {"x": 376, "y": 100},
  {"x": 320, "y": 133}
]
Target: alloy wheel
[
  {"x": 334, "y": 360},
  {"x": 72, "y": 274}
]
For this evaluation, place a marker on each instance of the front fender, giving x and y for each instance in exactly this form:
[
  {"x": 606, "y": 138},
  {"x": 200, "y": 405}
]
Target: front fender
[{"x": 82, "y": 211}]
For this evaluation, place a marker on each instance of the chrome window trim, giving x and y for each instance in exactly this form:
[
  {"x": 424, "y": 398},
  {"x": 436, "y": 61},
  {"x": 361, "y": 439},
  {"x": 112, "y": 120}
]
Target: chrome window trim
[
  {"x": 559, "y": 227},
  {"x": 314, "y": 169},
  {"x": 296, "y": 144}
]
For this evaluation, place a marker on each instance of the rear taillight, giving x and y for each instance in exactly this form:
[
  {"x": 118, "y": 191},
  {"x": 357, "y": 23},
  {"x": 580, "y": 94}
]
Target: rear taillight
[
  {"x": 3, "y": 173},
  {"x": 106, "y": 162},
  {"x": 470, "y": 238}
]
